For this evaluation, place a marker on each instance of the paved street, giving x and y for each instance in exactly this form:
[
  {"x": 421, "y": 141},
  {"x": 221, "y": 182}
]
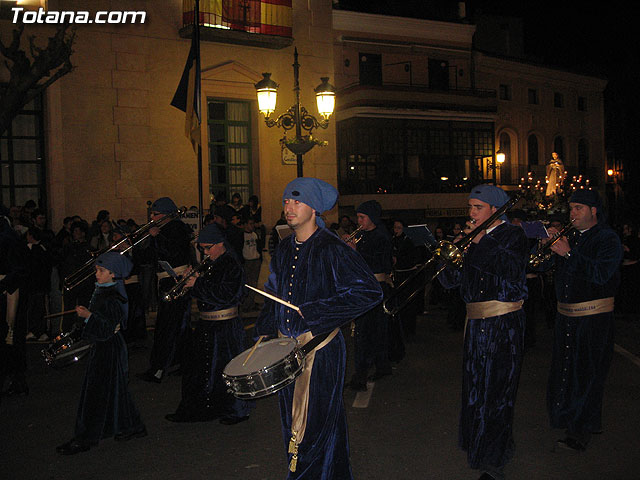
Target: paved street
[{"x": 407, "y": 431}]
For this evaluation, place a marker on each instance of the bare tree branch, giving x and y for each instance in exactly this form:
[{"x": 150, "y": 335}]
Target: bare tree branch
[{"x": 28, "y": 78}]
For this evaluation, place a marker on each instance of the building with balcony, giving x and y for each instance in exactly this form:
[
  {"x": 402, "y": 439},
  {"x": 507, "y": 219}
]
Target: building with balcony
[
  {"x": 420, "y": 112},
  {"x": 106, "y": 137}
]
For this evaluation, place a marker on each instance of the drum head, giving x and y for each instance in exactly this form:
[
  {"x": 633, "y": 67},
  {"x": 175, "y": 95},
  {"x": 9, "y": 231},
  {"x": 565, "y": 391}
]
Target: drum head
[{"x": 266, "y": 354}]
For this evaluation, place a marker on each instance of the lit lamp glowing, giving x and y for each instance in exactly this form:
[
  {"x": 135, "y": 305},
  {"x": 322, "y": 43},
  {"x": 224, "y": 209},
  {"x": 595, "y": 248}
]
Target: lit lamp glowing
[
  {"x": 325, "y": 98},
  {"x": 296, "y": 116},
  {"x": 500, "y": 157},
  {"x": 610, "y": 172},
  {"x": 267, "y": 92}
]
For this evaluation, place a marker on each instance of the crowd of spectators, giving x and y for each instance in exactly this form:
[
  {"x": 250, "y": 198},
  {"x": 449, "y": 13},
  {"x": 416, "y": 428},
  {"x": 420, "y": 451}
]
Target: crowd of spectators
[{"x": 53, "y": 255}]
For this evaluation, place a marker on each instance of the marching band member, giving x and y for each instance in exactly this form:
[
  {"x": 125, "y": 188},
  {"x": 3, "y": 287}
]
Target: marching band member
[
  {"x": 493, "y": 285},
  {"x": 331, "y": 285},
  {"x": 371, "y": 345},
  {"x": 106, "y": 407},
  {"x": 172, "y": 329},
  {"x": 587, "y": 276},
  {"x": 218, "y": 336}
]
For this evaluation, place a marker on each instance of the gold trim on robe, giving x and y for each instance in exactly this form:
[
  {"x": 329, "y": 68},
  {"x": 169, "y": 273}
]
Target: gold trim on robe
[{"x": 592, "y": 307}]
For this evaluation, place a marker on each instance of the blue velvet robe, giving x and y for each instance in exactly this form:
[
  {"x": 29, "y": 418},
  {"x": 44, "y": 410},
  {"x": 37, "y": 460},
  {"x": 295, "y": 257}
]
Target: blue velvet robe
[
  {"x": 375, "y": 332},
  {"x": 332, "y": 285},
  {"x": 583, "y": 346},
  {"x": 213, "y": 345},
  {"x": 106, "y": 406},
  {"x": 494, "y": 269}
]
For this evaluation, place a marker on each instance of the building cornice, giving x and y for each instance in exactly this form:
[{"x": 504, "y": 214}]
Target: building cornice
[
  {"x": 417, "y": 29},
  {"x": 535, "y": 72}
]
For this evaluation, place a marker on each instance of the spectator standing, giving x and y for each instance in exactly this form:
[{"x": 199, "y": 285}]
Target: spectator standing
[
  {"x": 36, "y": 289},
  {"x": 252, "y": 255},
  {"x": 103, "y": 239}
]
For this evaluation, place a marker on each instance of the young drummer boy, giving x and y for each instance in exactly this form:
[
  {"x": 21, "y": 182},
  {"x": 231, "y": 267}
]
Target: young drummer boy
[{"x": 106, "y": 408}]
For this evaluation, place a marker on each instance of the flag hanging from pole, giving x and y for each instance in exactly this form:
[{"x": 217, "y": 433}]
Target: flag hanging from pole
[{"x": 187, "y": 96}]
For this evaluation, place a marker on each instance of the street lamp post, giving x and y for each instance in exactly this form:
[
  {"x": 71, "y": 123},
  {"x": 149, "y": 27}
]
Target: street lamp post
[
  {"x": 296, "y": 116},
  {"x": 496, "y": 163}
]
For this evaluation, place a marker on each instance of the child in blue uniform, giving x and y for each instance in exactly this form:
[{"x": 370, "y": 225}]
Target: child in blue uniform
[{"x": 106, "y": 408}]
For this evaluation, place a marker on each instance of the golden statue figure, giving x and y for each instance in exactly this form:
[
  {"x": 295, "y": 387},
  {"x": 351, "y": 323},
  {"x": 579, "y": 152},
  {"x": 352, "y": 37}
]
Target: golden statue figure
[{"x": 555, "y": 174}]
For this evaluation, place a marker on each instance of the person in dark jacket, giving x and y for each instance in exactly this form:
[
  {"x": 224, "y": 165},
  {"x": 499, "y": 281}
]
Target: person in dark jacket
[
  {"x": 14, "y": 273},
  {"x": 171, "y": 243},
  {"x": 374, "y": 333},
  {"x": 38, "y": 286}
]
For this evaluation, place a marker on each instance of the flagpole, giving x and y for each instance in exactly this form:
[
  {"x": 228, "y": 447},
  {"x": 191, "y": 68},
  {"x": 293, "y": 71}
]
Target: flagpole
[{"x": 196, "y": 25}]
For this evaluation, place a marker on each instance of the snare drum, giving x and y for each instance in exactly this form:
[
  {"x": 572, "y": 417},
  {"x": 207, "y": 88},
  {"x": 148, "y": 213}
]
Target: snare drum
[
  {"x": 66, "y": 349},
  {"x": 274, "y": 365}
]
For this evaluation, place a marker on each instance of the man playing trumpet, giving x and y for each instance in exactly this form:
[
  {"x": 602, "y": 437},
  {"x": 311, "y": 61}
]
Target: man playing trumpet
[
  {"x": 493, "y": 285},
  {"x": 218, "y": 335},
  {"x": 586, "y": 280}
]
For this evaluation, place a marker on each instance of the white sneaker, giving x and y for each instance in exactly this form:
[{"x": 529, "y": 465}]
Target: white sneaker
[
  {"x": 43, "y": 338},
  {"x": 30, "y": 336}
]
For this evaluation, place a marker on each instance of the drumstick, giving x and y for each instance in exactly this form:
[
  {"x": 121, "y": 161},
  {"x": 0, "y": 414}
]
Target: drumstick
[
  {"x": 273, "y": 297},
  {"x": 59, "y": 313},
  {"x": 253, "y": 349}
]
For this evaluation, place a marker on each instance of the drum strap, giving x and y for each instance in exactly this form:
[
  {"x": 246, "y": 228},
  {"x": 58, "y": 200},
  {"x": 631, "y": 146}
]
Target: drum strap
[{"x": 300, "y": 405}]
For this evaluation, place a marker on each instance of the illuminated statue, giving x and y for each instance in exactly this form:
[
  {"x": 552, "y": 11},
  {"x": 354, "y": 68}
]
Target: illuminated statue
[{"x": 555, "y": 174}]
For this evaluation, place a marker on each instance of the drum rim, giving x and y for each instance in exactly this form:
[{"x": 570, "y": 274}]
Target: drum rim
[
  {"x": 272, "y": 388},
  {"x": 261, "y": 346}
]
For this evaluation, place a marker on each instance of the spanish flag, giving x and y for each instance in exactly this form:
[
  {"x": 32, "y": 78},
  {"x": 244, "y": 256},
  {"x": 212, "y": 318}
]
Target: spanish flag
[{"x": 187, "y": 96}]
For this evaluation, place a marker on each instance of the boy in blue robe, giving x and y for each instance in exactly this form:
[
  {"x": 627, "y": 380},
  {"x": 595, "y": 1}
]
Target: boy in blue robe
[
  {"x": 106, "y": 408},
  {"x": 331, "y": 285}
]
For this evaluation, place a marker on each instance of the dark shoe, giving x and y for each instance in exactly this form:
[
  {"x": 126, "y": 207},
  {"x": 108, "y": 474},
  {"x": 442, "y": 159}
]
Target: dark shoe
[
  {"x": 231, "y": 420},
  {"x": 123, "y": 437},
  {"x": 572, "y": 444},
  {"x": 175, "y": 417},
  {"x": 379, "y": 374},
  {"x": 148, "y": 377},
  {"x": 72, "y": 447},
  {"x": 486, "y": 476},
  {"x": 358, "y": 386}
]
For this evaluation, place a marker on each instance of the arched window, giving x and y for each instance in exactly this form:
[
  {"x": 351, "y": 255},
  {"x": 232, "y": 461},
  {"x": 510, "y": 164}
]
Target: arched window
[
  {"x": 532, "y": 150},
  {"x": 583, "y": 156}
]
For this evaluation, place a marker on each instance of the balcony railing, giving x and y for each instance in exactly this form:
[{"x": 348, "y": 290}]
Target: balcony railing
[
  {"x": 416, "y": 96},
  {"x": 265, "y": 23}
]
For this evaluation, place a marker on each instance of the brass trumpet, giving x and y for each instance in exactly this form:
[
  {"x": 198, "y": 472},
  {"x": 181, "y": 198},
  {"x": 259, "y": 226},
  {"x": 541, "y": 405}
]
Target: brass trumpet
[
  {"x": 544, "y": 253},
  {"x": 446, "y": 253},
  {"x": 180, "y": 289},
  {"x": 354, "y": 236},
  {"x": 133, "y": 239}
]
